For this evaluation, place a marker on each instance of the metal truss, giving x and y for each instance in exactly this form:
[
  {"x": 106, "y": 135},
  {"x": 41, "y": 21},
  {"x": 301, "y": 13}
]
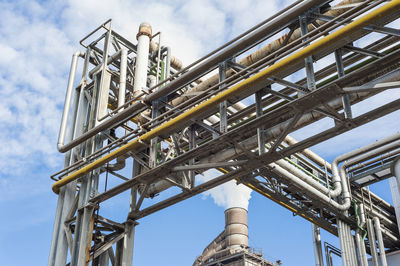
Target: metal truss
[{"x": 175, "y": 131}]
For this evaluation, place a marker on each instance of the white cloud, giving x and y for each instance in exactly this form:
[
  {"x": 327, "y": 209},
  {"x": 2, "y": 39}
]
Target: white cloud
[
  {"x": 37, "y": 40},
  {"x": 227, "y": 195}
]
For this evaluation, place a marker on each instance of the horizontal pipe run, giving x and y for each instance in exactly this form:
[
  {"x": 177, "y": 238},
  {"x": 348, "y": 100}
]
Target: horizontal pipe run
[
  {"x": 230, "y": 51},
  {"x": 310, "y": 190},
  {"x": 338, "y": 174},
  {"x": 255, "y": 80},
  {"x": 208, "y": 165},
  {"x": 117, "y": 119}
]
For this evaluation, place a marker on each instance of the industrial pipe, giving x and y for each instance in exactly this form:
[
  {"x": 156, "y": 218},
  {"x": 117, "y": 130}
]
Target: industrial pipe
[
  {"x": 122, "y": 78},
  {"x": 254, "y": 37},
  {"x": 252, "y": 81},
  {"x": 396, "y": 172},
  {"x": 310, "y": 190},
  {"x": 361, "y": 248},
  {"x": 378, "y": 231},
  {"x": 260, "y": 54},
  {"x": 338, "y": 174},
  {"x": 142, "y": 58},
  {"x": 68, "y": 98},
  {"x": 174, "y": 62},
  {"x": 372, "y": 242},
  {"x": 317, "y": 245}
]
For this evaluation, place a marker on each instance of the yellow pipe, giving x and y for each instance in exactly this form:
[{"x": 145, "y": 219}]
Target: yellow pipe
[{"x": 234, "y": 90}]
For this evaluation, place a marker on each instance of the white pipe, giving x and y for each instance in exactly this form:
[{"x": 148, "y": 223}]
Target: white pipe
[
  {"x": 378, "y": 231},
  {"x": 361, "y": 248},
  {"x": 311, "y": 190},
  {"x": 396, "y": 199},
  {"x": 396, "y": 172},
  {"x": 343, "y": 243},
  {"x": 337, "y": 174},
  {"x": 372, "y": 242},
  {"x": 142, "y": 58},
  {"x": 317, "y": 245},
  {"x": 122, "y": 78},
  {"x": 68, "y": 98}
]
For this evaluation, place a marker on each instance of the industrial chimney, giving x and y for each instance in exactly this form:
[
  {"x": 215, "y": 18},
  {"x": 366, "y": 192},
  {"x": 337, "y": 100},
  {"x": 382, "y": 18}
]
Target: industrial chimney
[
  {"x": 231, "y": 246},
  {"x": 236, "y": 229}
]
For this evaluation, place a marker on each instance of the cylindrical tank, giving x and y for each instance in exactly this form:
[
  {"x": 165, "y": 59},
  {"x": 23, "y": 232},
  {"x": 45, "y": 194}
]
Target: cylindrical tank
[{"x": 236, "y": 230}]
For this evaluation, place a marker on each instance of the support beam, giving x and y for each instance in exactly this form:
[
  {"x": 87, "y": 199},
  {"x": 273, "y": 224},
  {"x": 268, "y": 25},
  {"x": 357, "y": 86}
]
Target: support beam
[{"x": 340, "y": 71}]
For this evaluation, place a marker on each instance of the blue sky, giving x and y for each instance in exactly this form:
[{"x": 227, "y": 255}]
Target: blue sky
[{"x": 37, "y": 39}]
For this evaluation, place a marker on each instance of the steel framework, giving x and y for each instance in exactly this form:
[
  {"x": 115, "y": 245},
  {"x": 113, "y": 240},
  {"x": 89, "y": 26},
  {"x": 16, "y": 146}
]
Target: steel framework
[{"x": 176, "y": 124}]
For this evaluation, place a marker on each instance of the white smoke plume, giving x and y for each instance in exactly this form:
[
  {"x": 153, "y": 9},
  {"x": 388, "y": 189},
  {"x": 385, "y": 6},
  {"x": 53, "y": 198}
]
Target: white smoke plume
[{"x": 227, "y": 195}]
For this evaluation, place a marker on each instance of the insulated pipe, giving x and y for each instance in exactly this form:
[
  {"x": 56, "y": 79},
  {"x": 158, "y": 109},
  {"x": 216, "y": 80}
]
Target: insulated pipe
[
  {"x": 68, "y": 98},
  {"x": 122, "y": 78},
  {"x": 337, "y": 174},
  {"x": 142, "y": 58},
  {"x": 378, "y": 231},
  {"x": 313, "y": 191},
  {"x": 396, "y": 172},
  {"x": 343, "y": 243},
  {"x": 317, "y": 245},
  {"x": 230, "y": 51},
  {"x": 394, "y": 187},
  {"x": 302, "y": 175},
  {"x": 261, "y": 53},
  {"x": 362, "y": 215},
  {"x": 309, "y": 154},
  {"x": 236, "y": 230},
  {"x": 235, "y": 89},
  {"x": 372, "y": 242},
  {"x": 361, "y": 248},
  {"x": 174, "y": 62}
]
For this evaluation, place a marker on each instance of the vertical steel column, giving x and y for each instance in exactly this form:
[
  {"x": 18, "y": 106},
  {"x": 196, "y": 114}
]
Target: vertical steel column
[
  {"x": 378, "y": 231},
  {"x": 308, "y": 61},
  {"x": 154, "y": 141},
  {"x": 104, "y": 259},
  {"x": 126, "y": 244},
  {"x": 192, "y": 145},
  {"x": 340, "y": 70},
  {"x": 105, "y": 80},
  {"x": 260, "y": 130},
  {"x": 85, "y": 214},
  {"x": 223, "y": 105},
  {"x": 317, "y": 245},
  {"x": 372, "y": 242}
]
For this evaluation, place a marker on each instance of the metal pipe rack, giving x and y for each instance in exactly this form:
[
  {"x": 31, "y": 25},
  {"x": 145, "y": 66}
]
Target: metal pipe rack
[{"x": 187, "y": 124}]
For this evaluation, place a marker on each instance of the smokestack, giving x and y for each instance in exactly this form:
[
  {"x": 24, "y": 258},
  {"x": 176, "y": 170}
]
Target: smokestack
[{"x": 236, "y": 230}]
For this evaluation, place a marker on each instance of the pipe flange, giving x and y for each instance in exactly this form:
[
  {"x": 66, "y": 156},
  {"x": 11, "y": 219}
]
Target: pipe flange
[{"x": 144, "y": 29}]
